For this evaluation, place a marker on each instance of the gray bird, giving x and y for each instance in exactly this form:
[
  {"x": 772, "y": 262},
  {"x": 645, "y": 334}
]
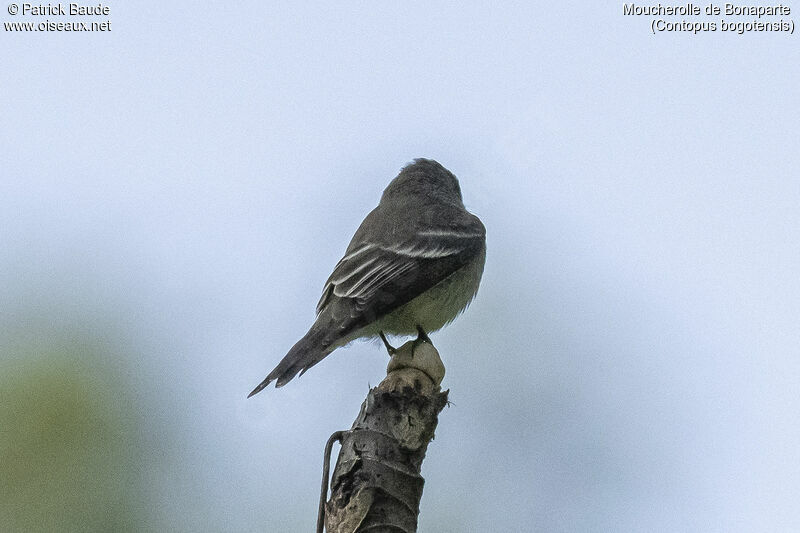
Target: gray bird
[{"x": 412, "y": 266}]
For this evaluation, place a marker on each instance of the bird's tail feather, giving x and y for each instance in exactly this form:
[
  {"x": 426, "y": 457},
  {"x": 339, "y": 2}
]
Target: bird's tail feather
[{"x": 307, "y": 352}]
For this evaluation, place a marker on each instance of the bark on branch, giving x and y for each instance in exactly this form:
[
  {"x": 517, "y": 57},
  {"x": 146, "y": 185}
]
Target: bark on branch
[{"x": 376, "y": 484}]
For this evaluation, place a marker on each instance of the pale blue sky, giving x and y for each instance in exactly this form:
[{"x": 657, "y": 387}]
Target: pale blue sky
[{"x": 632, "y": 361}]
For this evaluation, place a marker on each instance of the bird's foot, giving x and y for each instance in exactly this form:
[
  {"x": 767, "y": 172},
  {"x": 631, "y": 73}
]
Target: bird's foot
[
  {"x": 421, "y": 337},
  {"x": 389, "y": 348},
  {"x": 422, "y": 357}
]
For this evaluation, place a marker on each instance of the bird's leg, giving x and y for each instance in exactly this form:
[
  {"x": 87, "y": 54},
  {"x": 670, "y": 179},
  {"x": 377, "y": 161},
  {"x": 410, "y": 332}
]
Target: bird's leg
[
  {"x": 389, "y": 348},
  {"x": 421, "y": 337}
]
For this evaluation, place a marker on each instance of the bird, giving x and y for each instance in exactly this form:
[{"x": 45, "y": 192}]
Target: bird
[{"x": 414, "y": 264}]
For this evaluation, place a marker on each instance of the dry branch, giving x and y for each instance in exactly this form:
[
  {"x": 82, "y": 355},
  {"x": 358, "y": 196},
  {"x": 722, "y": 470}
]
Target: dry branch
[{"x": 376, "y": 484}]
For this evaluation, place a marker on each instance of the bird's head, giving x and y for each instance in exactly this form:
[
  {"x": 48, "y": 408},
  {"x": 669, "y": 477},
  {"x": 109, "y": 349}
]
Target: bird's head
[{"x": 425, "y": 178}]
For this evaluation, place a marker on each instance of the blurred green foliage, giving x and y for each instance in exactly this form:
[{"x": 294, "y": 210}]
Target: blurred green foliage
[{"x": 70, "y": 448}]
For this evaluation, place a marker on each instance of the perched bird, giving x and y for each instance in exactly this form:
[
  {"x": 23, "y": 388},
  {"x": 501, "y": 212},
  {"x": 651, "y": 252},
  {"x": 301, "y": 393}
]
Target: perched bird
[{"x": 412, "y": 266}]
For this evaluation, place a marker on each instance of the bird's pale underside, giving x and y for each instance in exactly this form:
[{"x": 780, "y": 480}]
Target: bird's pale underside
[{"x": 412, "y": 266}]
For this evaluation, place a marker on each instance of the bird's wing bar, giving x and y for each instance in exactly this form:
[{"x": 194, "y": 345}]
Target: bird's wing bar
[
  {"x": 402, "y": 271},
  {"x": 455, "y": 234}
]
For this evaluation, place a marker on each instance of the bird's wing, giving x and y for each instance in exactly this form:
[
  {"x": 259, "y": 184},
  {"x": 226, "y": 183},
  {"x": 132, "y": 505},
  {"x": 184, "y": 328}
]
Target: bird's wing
[{"x": 382, "y": 276}]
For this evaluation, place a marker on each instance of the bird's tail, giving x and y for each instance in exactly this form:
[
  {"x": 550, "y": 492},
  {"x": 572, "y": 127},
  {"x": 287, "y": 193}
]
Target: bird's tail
[{"x": 307, "y": 352}]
